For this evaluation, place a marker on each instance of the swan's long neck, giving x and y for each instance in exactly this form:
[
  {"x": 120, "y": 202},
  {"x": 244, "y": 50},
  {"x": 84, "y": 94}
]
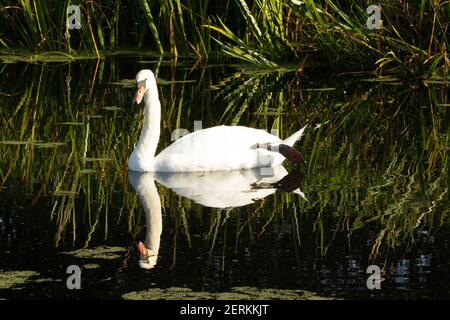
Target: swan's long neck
[{"x": 152, "y": 118}]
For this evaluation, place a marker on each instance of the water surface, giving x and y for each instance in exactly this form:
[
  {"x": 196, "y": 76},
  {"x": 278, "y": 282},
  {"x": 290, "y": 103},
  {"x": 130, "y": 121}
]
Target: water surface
[{"x": 375, "y": 185}]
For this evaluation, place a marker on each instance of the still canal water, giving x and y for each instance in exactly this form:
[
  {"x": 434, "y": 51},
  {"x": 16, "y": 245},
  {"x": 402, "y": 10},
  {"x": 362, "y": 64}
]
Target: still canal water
[{"x": 373, "y": 191}]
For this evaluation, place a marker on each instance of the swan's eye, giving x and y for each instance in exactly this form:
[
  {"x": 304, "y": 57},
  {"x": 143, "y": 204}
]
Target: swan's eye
[
  {"x": 139, "y": 92},
  {"x": 141, "y": 84}
]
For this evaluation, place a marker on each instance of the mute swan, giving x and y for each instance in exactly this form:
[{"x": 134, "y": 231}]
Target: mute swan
[{"x": 214, "y": 149}]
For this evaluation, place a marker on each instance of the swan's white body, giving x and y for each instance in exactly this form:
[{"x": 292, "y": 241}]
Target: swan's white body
[{"x": 214, "y": 149}]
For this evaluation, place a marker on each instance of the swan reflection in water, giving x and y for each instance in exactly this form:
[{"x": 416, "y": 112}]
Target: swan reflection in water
[{"x": 220, "y": 189}]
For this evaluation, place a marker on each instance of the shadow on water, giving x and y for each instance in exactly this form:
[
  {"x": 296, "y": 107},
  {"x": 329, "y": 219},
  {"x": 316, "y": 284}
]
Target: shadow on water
[{"x": 375, "y": 186}]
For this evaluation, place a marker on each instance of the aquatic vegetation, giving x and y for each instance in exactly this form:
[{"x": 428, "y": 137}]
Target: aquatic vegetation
[
  {"x": 410, "y": 39},
  {"x": 14, "y": 279},
  {"x": 91, "y": 266},
  {"x": 235, "y": 293},
  {"x": 102, "y": 252},
  {"x": 336, "y": 33}
]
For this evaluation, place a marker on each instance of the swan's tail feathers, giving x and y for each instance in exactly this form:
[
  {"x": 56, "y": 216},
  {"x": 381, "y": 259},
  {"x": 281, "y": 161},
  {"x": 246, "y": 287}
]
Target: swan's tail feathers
[{"x": 293, "y": 138}]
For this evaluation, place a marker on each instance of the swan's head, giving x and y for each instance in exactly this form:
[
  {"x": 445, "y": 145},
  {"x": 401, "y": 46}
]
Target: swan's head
[{"x": 144, "y": 80}]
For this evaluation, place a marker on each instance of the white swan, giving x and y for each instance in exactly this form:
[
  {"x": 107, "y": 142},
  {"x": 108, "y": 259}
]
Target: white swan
[{"x": 213, "y": 149}]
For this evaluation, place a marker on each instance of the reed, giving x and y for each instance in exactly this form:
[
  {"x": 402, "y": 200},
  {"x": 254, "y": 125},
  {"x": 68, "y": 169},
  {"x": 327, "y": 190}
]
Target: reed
[
  {"x": 413, "y": 40},
  {"x": 336, "y": 33}
]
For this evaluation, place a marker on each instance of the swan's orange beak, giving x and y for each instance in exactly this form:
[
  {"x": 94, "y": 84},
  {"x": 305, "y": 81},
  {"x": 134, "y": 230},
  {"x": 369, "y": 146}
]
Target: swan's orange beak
[{"x": 139, "y": 94}]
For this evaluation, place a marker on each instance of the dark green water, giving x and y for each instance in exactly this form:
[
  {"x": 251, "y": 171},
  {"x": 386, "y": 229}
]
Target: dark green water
[{"x": 376, "y": 183}]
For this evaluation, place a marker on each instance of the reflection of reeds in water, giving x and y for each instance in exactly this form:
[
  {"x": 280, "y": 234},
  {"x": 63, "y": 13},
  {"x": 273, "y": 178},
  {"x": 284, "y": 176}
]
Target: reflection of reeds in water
[
  {"x": 377, "y": 159},
  {"x": 79, "y": 138},
  {"x": 377, "y": 155}
]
